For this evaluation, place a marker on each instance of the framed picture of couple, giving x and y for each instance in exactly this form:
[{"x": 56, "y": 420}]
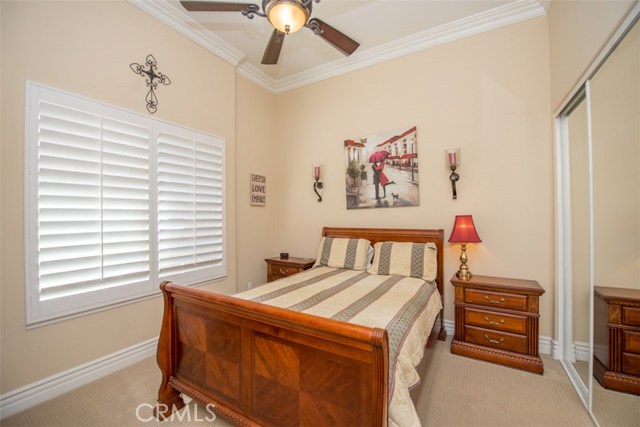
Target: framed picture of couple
[{"x": 381, "y": 171}]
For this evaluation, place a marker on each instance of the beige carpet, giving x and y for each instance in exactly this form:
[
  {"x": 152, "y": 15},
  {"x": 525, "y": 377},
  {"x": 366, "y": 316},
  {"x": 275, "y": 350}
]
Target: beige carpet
[
  {"x": 611, "y": 408},
  {"x": 457, "y": 391},
  {"x": 468, "y": 392}
]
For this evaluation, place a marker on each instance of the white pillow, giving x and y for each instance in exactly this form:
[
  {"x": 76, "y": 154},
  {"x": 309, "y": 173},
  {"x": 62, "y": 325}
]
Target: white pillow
[
  {"x": 405, "y": 259},
  {"x": 343, "y": 253}
]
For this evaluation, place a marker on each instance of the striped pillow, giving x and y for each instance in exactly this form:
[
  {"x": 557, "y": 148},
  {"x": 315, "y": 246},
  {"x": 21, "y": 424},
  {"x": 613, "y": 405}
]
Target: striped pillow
[
  {"x": 405, "y": 259},
  {"x": 343, "y": 253}
]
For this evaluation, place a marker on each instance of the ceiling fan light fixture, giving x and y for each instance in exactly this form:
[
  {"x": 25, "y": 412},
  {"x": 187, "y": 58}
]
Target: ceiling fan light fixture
[{"x": 287, "y": 16}]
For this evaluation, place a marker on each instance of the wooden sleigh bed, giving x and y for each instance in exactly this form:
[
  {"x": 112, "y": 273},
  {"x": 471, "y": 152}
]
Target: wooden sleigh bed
[{"x": 264, "y": 365}]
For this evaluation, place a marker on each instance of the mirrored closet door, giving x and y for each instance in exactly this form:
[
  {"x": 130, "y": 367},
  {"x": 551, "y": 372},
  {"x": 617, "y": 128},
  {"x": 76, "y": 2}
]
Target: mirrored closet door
[
  {"x": 598, "y": 136},
  {"x": 615, "y": 139}
]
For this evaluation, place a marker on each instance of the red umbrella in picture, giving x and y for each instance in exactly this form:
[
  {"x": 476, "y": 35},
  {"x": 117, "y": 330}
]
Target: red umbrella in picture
[{"x": 378, "y": 156}]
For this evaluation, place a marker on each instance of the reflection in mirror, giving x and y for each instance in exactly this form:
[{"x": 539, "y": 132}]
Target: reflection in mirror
[
  {"x": 579, "y": 283},
  {"x": 615, "y": 127}
]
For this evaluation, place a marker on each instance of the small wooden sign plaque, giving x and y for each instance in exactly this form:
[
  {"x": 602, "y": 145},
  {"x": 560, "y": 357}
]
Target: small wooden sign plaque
[{"x": 258, "y": 190}]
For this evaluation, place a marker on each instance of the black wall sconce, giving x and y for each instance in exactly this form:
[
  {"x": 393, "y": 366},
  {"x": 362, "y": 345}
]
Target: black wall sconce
[
  {"x": 453, "y": 159},
  {"x": 152, "y": 78},
  {"x": 317, "y": 184}
]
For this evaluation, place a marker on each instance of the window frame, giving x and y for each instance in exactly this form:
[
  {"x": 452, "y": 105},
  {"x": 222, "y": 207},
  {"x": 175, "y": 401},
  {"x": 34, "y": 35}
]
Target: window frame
[{"x": 40, "y": 312}]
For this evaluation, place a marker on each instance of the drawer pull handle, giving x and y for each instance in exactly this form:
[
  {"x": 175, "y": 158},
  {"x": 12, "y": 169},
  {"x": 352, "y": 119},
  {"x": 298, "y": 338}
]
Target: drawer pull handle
[
  {"x": 493, "y": 301},
  {"x": 493, "y": 341},
  {"x": 494, "y": 323},
  {"x": 283, "y": 271}
]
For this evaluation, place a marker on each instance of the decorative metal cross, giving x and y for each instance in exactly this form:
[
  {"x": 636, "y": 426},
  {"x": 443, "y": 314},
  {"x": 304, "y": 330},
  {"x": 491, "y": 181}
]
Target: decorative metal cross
[{"x": 153, "y": 78}]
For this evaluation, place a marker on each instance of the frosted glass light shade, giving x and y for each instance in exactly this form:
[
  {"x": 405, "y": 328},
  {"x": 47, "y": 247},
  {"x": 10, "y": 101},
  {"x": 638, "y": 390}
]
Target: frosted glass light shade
[{"x": 288, "y": 16}]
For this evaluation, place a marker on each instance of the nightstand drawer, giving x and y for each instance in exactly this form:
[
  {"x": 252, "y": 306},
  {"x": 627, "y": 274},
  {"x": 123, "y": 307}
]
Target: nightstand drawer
[
  {"x": 501, "y": 340},
  {"x": 496, "y": 299},
  {"x": 630, "y": 316},
  {"x": 631, "y": 364},
  {"x": 496, "y": 321},
  {"x": 283, "y": 270},
  {"x": 631, "y": 342}
]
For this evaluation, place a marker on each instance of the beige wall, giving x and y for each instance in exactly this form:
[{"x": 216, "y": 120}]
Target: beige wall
[
  {"x": 578, "y": 31},
  {"x": 256, "y": 118},
  {"x": 86, "y": 48},
  {"x": 489, "y": 95}
]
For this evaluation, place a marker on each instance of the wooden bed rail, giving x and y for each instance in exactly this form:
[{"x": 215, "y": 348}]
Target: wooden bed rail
[{"x": 264, "y": 365}]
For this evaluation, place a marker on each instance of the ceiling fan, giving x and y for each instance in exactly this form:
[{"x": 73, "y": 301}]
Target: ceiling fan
[{"x": 287, "y": 16}]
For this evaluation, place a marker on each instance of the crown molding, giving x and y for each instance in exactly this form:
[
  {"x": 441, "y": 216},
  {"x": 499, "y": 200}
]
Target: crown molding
[
  {"x": 501, "y": 16},
  {"x": 175, "y": 19},
  {"x": 257, "y": 76}
]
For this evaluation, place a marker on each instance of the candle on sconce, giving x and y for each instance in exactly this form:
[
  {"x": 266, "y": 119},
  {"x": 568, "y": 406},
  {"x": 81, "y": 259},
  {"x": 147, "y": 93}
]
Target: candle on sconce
[
  {"x": 452, "y": 157},
  {"x": 317, "y": 184}
]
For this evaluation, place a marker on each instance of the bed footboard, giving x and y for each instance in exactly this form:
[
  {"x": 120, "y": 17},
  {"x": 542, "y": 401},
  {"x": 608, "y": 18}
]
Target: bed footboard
[{"x": 263, "y": 365}]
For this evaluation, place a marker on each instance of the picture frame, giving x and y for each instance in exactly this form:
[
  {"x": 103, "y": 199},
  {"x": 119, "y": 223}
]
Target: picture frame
[{"x": 381, "y": 170}]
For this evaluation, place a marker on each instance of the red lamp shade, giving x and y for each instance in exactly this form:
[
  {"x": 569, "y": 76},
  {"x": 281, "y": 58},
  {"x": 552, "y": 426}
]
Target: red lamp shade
[{"x": 464, "y": 231}]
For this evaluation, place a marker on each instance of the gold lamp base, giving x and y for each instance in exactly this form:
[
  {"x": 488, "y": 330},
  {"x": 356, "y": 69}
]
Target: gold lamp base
[
  {"x": 463, "y": 272},
  {"x": 464, "y": 275}
]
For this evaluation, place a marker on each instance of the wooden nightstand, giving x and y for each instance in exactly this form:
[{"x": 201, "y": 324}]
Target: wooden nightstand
[
  {"x": 616, "y": 338},
  {"x": 496, "y": 319},
  {"x": 277, "y": 267}
]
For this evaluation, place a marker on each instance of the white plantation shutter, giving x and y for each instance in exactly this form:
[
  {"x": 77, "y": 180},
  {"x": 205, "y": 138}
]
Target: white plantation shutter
[
  {"x": 94, "y": 236},
  {"x": 125, "y": 202},
  {"x": 190, "y": 203},
  {"x": 209, "y": 202},
  {"x": 69, "y": 192}
]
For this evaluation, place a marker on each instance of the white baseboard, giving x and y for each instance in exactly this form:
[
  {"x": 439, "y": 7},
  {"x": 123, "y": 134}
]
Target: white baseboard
[
  {"x": 545, "y": 345},
  {"x": 40, "y": 391},
  {"x": 556, "y": 350},
  {"x": 579, "y": 351},
  {"x": 449, "y": 326}
]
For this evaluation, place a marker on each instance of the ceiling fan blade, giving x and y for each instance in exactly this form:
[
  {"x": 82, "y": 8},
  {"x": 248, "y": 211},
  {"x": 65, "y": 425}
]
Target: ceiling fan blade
[
  {"x": 214, "y": 6},
  {"x": 339, "y": 40},
  {"x": 272, "y": 52}
]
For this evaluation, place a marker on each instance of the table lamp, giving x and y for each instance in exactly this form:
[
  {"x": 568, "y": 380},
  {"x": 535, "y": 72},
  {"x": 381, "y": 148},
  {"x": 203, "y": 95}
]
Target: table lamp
[{"x": 464, "y": 231}]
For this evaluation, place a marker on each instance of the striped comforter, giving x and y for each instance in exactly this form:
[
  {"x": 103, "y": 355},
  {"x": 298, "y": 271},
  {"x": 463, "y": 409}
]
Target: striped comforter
[{"x": 406, "y": 307}]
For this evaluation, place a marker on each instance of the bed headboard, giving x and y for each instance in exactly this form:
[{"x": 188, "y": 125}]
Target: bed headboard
[{"x": 375, "y": 235}]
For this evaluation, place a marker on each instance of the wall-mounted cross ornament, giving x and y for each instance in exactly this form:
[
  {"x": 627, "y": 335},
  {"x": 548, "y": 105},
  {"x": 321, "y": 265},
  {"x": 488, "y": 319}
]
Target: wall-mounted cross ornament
[{"x": 153, "y": 77}]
